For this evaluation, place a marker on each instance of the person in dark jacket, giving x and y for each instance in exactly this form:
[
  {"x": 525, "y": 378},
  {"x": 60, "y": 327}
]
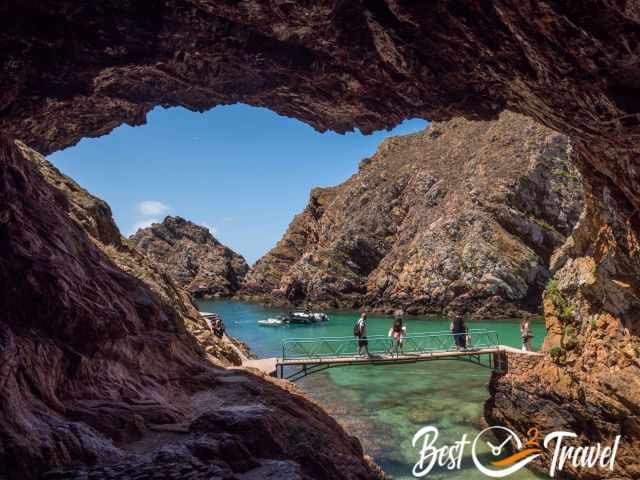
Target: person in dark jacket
[{"x": 459, "y": 331}]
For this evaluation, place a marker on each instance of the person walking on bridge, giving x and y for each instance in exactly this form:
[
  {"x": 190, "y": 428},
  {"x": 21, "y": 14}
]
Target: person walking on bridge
[
  {"x": 360, "y": 331},
  {"x": 459, "y": 331},
  {"x": 397, "y": 332}
]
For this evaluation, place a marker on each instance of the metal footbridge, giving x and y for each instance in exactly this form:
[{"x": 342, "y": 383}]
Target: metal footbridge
[{"x": 304, "y": 356}]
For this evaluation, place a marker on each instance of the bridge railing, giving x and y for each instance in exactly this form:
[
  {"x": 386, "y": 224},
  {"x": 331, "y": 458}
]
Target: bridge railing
[{"x": 415, "y": 344}]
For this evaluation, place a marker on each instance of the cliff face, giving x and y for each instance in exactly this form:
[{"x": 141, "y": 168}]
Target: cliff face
[
  {"x": 93, "y": 215},
  {"x": 192, "y": 257},
  {"x": 589, "y": 380},
  {"x": 98, "y": 370},
  {"x": 462, "y": 216},
  {"x": 72, "y": 69}
]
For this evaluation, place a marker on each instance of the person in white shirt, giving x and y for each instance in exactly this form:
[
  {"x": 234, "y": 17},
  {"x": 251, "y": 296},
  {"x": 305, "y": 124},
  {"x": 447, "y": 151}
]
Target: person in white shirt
[
  {"x": 397, "y": 332},
  {"x": 360, "y": 332},
  {"x": 526, "y": 334}
]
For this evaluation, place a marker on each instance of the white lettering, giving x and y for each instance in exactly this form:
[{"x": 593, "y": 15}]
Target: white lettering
[
  {"x": 614, "y": 451},
  {"x": 461, "y": 445},
  {"x": 428, "y": 451},
  {"x": 590, "y": 458},
  {"x": 449, "y": 457},
  {"x": 558, "y": 436},
  {"x": 580, "y": 456}
]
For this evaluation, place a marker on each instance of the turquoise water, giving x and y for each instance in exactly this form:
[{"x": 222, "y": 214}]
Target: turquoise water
[{"x": 384, "y": 406}]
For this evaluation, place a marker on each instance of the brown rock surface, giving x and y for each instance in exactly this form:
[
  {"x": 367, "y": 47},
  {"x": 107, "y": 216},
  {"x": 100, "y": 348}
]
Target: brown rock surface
[
  {"x": 589, "y": 380},
  {"x": 72, "y": 69},
  {"x": 99, "y": 373},
  {"x": 464, "y": 215},
  {"x": 94, "y": 216},
  {"x": 192, "y": 257}
]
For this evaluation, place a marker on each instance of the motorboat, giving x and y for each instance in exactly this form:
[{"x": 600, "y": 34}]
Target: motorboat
[
  {"x": 295, "y": 318},
  {"x": 307, "y": 317}
]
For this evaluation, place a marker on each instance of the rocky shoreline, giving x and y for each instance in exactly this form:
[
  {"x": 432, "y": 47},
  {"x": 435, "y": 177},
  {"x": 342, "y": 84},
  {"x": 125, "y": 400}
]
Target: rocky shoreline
[{"x": 410, "y": 311}]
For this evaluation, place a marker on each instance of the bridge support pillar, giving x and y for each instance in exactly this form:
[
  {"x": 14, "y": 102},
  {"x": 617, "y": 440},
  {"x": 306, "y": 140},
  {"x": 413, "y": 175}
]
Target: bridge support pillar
[
  {"x": 498, "y": 361},
  {"x": 515, "y": 361}
]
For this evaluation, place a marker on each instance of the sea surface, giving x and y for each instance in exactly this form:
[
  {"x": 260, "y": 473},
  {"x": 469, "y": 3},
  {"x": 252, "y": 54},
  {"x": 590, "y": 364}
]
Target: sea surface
[{"x": 385, "y": 406}]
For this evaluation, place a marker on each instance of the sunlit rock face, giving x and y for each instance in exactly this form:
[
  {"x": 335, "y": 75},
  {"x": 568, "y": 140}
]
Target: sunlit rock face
[
  {"x": 72, "y": 69},
  {"x": 193, "y": 257},
  {"x": 463, "y": 216},
  {"x": 589, "y": 380}
]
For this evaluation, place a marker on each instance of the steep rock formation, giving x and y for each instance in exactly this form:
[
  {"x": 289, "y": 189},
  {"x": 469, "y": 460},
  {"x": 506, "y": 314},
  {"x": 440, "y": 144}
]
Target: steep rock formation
[
  {"x": 464, "y": 215},
  {"x": 93, "y": 362},
  {"x": 589, "y": 381},
  {"x": 94, "y": 216},
  {"x": 72, "y": 69},
  {"x": 302, "y": 235},
  {"x": 192, "y": 257}
]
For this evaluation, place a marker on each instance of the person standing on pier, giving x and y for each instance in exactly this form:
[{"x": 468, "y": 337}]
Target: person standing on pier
[
  {"x": 360, "y": 331},
  {"x": 526, "y": 334},
  {"x": 218, "y": 327}
]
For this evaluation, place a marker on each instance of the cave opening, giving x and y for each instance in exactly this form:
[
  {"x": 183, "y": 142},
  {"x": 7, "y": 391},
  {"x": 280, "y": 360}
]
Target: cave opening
[
  {"x": 241, "y": 171},
  {"x": 246, "y": 173}
]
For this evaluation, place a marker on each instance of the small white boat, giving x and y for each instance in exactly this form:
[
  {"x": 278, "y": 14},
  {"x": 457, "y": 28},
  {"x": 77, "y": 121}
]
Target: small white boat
[{"x": 271, "y": 322}]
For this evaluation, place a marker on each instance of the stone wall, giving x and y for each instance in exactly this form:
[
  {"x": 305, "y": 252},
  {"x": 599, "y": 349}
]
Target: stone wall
[{"x": 514, "y": 362}]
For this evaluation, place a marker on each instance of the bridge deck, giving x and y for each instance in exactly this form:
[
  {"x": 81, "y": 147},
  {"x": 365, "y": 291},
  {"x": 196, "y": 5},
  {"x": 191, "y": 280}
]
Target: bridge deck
[
  {"x": 388, "y": 357},
  {"x": 304, "y": 356},
  {"x": 271, "y": 365}
]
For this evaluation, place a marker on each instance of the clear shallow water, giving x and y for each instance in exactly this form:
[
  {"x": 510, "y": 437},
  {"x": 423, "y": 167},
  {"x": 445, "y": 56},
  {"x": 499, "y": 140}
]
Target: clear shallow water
[{"x": 385, "y": 405}]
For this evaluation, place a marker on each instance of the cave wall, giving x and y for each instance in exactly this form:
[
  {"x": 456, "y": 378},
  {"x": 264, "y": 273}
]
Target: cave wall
[
  {"x": 72, "y": 69},
  {"x": 94, "y": 217},
  {"x": 81, "y": 339}
]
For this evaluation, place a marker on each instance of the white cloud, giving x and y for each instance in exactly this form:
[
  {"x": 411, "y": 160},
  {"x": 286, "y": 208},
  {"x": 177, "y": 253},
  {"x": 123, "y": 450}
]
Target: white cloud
[{"x": 152, "y": 207}]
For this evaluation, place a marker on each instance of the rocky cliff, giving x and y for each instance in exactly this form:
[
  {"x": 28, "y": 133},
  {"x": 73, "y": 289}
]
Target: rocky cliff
[
  {"x": 100, "y": 376},
  {"x": 464, "y": 215},
  {"x": 192, "y": 257},
  {"x": 589, "y": 380},
  {"x": 94, "y": 217},
  {"x": 72, "y": 69}
]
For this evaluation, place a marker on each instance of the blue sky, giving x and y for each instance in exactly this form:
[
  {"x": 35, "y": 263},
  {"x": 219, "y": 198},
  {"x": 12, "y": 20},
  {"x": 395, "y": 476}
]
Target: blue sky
[{"x": 239, "y": 170}]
